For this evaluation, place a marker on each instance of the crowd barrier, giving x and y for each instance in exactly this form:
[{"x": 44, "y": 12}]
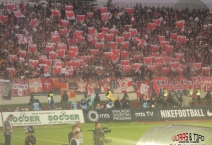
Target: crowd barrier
[
  {"x": 44, "y": 117},
  {"x": 117, "y": 86},
  {"x": 107, "y": 115},
  {"x": 149, "y": 114}
]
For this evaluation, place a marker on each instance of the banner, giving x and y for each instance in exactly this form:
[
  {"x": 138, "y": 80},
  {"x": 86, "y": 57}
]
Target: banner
[
  {"x": 105, "y": 115},
  {"x": 123, "y": 85},
  {"x": 35, "y": 85},
  {"x": 169, "y": 84},
  {"x": 45, "y": 117},
  {"x": 47, "y": 84},
  {"x": 194, "y": 113},
  {"x": 143, "y": 88},
  {"x": 202, "y": 83},
  {"x": 22, "y": 39},
  {"x": 19, "y": 87},
  {"x": 81, "y": 86}
]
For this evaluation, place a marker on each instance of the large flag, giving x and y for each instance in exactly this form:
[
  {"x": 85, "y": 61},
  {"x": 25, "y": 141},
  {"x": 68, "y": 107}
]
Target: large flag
[
  {"x": 124, "y": 85},
  {"x": 81, "y": 86},
  {"x": 19, "y": 87},
  {"x": 143, "y": 88},
  {"x": 56, "y": 83},
  {"x": 35, "y": 85},
  {"x": 47, "y": 84}
]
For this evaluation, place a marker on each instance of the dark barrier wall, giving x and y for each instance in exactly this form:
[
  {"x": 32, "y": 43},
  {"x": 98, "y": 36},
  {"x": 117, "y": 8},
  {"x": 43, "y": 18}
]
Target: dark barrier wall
[{"x": 150, "y": 114}]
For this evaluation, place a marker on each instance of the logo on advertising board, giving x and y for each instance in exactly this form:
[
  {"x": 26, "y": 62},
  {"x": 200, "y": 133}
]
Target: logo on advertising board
[
  {"x": 63, "y": 117},
  {"x": 188, "y": 138},
  {"x": 24, "y": 119},
  {"x": 209, "y": 113},
  {"x": 182, "y": 113},
  {"x": 94, "y": 116}
]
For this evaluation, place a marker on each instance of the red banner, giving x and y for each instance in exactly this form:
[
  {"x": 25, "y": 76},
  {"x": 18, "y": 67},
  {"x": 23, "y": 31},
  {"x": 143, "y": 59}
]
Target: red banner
[
  {"x": 202, "y": 83},
  {"x": 47, "y": 84},
  {"x": 169, "y": 84},
  {"x": 143, "y": 88}
]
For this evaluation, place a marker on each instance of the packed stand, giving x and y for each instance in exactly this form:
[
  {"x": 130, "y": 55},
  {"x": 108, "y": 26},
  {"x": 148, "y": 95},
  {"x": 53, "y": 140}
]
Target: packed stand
[{"x": 149, "y": 42}]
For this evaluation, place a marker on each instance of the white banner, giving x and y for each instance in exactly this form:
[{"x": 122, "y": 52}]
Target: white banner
[
  {"x": 22, "y": 39},
  {"x": 45, "y": 117},
  {"x": 1, "y": 123}
]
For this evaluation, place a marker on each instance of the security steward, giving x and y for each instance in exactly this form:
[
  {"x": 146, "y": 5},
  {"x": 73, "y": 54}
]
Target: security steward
[
  {"x": 191, "y": 92},
  {"x": 51, "y": 95},
  {"x": 98, "y": 136},
  {"x": 30, "y": 139}
]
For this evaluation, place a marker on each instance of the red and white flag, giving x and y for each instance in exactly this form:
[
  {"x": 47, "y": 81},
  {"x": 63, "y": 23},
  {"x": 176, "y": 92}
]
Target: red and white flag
[
  {"x": 168, "y": 48},
  {"x": 180, "y": 24},
  {"x": 113, "y": 45},
  {"x": 63, "y": 31},
  {"x": 56, "y": 13},
  {"x": 89, "y": 15},
  {"x": 133, "y": 31},
  {"x": 163, "y": 43},
  {"x": 55, "y": 37},
  {"x": 161, "y": 38},
  {"x": 22, "y": 53},
  {"x": 11, "y": 71},
  {"x": 173, "y": 35},
  {"x": 64, "y": 23},
  {"x": 124, "y": 85},
  {"x": 33, "y": 22},
  {"x": 103, "y": 9},
  {"x": 70, "y": 15},
  {"x": 206, "y": 70},
  {"x": 32, "y": 48},
  {"x": 108, "y": 55},
  {"x": 157, "y": 22},
  {"x": 105, "y": 30},
  {"x": 181, "y": 39},
  {"x": 62, "y": 46},
  {"x": 68, "y": 7},
  {"x": 151, "y": 26},
  {"x": 10, "y": 7},
  {"x": 109, "y": 37},
  {"x": 126, "y": 35},
  {"x": 100, "y": 36},
  {"x": 154, "y": 48},
  {"x": 130, "y": 10},
  {"x": 119, "y": 40},
  {"x": 94, "y": 51},
  {"x": 99, "y": 45},
  {"x": 137, "y": 66},
  {"x": 61, "y": 53},
  {"x": 148, "y": 60},
  {"x": 174, "y": 65},
  {"x": 80, "y": 18},
  {"x": 52, "y": 55},
  {"x": 197, "y": 66},
  {"x": 18, "y": 14},
  {"x": 91, "y": 30},
  {"x": 125, "y": 62},
  {"x": 105, "y": 16},
  {"x": 33, "y": 63},
  {"x": 47, "y": 84},
  {"x": 113, "y": 31},
  {"x": 125, "y": 45},
  {"x": 126, "y": 67},
  {"x": 124, "y": 54},
  {"x": 57, "y": 69}
]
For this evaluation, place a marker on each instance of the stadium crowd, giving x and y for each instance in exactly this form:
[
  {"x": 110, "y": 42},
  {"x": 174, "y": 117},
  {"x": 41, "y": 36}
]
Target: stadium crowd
[{"x": 197, "y": 48}]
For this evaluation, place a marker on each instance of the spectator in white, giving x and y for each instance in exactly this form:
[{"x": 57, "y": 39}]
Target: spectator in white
[
  {"x": 36, "y": 105},
  {"x": 109, "y": 104},
  {"x": 52, "y": 103},
  {"x": 8, "y": 129},
  {"x": 75, "y": 140},
  {"x": 98, "y": 106},
  {"x": 17, "y": 109},
  {"x": 74, "y": 104},
  {"x": 78, "y": 124}
]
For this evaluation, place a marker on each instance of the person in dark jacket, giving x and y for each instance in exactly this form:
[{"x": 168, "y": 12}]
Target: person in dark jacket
[
  {"x": 126, "y": 103},
  {"x": 207, "y": 98},
  {"x": 118, "y": 103},
  {"x": 71, "y": 134},
  {"x": 64, "y": 100}
]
